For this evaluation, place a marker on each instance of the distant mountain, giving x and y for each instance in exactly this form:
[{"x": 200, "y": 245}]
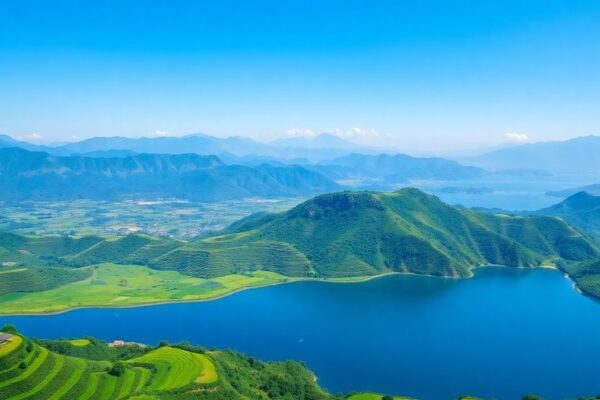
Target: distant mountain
[
  {"x": 7, "y": 141},
  {"x": 579, "y": 155},
  {"x": 387, "y": 169},
  {"x": 107, "y": 153},
  {"x": 197, "y": 143},
  {"x": 26, "y": 175},
  {"x": 314, "y": 149},
  {"x": 591, "y": 189},
  {"x": 581, "y": 210},
  {"x": 322, "y": 141}
]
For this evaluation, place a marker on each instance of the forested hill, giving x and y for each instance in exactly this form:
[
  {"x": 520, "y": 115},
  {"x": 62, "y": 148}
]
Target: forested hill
[
  {"x": 362, "y": 233},
  {"x": 90, "y": 369},
  {"x": 344, "y": 234},
  {"x": 581, "y": 210},
  {"x": 28, "y": 175}
]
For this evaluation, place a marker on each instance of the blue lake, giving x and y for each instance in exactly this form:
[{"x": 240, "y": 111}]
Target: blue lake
[{"x": 501, "y": 334}]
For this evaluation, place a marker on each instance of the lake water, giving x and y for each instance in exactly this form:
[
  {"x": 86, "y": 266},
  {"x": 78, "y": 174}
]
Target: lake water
[{"x": 503, "y": 333}]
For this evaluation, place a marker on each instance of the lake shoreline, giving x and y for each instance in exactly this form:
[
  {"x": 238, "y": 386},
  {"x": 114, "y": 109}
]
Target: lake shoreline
[{"x": 360, "y": 279}]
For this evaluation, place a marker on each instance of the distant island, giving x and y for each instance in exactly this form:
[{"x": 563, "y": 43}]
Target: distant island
[{"x": 340, "y": 236}]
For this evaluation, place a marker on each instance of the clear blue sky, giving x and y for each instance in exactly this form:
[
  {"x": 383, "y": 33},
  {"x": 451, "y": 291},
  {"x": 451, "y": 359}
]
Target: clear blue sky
[{"x": 420, "y": 75}]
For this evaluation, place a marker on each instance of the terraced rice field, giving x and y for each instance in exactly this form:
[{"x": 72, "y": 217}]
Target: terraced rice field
[
  {"x": 178, "y": 368},
  {"x": 31, "y": 372}
]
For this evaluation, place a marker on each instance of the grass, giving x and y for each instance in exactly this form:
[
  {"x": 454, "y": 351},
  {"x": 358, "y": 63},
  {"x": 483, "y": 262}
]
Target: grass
[
  {"x": 35, "y": 372},
  {"x": 178, "y": 368},
  {"x": 13, "y": 344},
  {"x": 119, "y": 285},
  {"x": 372, "y": 396},
  {"x": 80, "y": 342},
  {"x": 209, "y": 372}
]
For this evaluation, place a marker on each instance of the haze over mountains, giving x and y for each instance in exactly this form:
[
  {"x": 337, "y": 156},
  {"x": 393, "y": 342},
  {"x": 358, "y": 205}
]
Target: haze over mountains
[
  {"x": 265, "y": 169},
  {"x": 576, "y": 156},
  {"x": 315, "y": 148},
  {"x": 26, "y": 175}
]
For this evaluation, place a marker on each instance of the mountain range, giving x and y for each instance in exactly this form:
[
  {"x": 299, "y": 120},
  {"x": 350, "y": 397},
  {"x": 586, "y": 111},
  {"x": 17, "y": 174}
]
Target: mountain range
[
  {"x": 390, "y": 169},
  {"x": 27, "y": 175},
  {"x": 574, "y": 156},
  {"x": 312, "y": 149}
]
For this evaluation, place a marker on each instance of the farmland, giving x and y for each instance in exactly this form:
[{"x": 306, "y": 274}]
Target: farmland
[
  {"x": 172, "y": 218},
  {"x": 118, "y": 285}
]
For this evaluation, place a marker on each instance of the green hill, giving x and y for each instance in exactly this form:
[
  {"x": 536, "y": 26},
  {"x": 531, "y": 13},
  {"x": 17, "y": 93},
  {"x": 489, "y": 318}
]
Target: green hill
[
  {"x": 90, "y": 370},
  {"x": 581, "y": 210},
  {"x": 334, "y": 236},
  {"x": 366, "y": 233}
]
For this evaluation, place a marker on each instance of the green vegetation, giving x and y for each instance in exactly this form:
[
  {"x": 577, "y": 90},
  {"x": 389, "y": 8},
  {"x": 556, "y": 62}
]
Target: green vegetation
[
  {"x": 373, "y": 396},
  {"x": 165, "y": 372},
  {"x": 581, "y": 210},
  {"x": 80, "y": 342},
  {"x": 168, "y": 218},
  {"x": 334, "y": 236},
  {"x": 48, "y": 370},
  {"x": 143, "y": 286}
]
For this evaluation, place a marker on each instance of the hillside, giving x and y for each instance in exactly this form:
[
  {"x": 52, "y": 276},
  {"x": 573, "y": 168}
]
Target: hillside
[
  {"x": 333, "y": 236},
  {"x": 89, "y": 369},
  {"x": 26, "y": 175},
  {"x": 590, "y": 189},
  {"x": 579, "y": 155},
  {"x": 581, "y": 210}
]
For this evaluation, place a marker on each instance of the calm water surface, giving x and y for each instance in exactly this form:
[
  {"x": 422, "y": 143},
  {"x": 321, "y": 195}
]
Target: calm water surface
[{"x": 499, "y": 335}]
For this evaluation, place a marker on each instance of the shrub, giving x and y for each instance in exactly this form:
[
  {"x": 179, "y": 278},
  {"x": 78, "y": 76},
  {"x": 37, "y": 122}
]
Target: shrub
[
  {"x": 9, "y": 328},
  {"x": 117, "y": 369}
]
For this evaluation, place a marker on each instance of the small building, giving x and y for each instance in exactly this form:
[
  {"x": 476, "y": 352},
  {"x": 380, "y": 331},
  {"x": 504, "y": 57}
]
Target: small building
[
  {"x": 5, "y": 337},
  {"x": 117, "y": 343}
]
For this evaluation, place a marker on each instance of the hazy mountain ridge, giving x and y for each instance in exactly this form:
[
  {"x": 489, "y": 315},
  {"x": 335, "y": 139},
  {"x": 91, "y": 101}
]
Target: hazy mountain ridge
[
  {"x": 395, "y": 168},
  {"x": 593, "y": 189},
  {"x": 578, "y": 155},
  {"x": 29, "y": 175}
]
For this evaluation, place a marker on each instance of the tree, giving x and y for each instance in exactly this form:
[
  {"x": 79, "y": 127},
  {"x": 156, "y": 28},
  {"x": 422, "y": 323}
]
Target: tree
[
  {"x": 117, "y": 369},
  {"x": 8, "y": 328},
  {"x": 387, "y": 398},
  {"x": 532, "y": 397}
]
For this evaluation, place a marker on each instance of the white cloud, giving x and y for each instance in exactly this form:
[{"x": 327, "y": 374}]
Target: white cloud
[
  {"x": 516, "y": 137},
  {"x": 299, "y": 132},
  {"x": 32, "y": 137},
  {"x": 162, "y": 133},
  {"x": 355, "y": 134}
]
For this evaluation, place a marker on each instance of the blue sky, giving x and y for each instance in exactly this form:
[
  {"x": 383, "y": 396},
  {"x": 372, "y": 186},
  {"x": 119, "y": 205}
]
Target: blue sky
[{"x": 421, "y": 76}]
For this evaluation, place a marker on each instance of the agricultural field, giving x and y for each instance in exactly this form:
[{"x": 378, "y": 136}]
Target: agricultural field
[
  {"x": 170, "y": 218},
  {"x": 49, "y": 370},
  {"x": 121, "y": 285},
  {"x": 31, "y": 371}
]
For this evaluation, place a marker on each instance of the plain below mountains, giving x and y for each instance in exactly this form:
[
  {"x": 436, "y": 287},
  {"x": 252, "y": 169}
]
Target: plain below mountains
[
  {"x": 339, "y": 235},
  {"x": 27, "y": 175}
]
